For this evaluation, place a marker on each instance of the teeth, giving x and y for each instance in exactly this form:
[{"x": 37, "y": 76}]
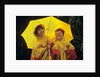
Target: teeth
[{"x": 58, "y": 35}]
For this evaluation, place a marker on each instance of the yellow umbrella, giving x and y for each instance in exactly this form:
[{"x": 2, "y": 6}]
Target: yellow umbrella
[{"x": 51, "y": 24}]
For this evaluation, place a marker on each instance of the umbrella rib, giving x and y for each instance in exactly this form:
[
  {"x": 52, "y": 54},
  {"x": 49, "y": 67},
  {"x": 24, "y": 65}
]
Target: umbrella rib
[
  {"x": 49, "y": 22},
  {"x": 69, "y": 35},
  {"x": 38, "y": 22}
]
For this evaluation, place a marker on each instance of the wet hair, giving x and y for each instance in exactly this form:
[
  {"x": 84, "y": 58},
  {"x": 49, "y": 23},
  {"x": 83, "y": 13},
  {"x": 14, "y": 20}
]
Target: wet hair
[
  {"x": 59, "y": 29},
  {"x": 37, "y": 28}
]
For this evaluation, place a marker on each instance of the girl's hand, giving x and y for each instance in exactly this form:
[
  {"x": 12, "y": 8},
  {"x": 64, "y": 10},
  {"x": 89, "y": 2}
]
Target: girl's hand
[{"x": 48, "y": 42}]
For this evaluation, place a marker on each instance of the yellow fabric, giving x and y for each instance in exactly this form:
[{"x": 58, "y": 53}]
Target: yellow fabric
[
  {"x": 50, "y": 24},
  {"x": 40, "y": 48}
]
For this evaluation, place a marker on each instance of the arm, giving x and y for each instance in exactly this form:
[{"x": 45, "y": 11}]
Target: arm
[{"x": 38, "y": 50}]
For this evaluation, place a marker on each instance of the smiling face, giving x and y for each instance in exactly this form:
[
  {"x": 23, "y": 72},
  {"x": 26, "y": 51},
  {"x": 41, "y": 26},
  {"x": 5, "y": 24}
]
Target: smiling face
[
  {"x": 40, "y": 32},
  {"x": 59, "y": 35}
]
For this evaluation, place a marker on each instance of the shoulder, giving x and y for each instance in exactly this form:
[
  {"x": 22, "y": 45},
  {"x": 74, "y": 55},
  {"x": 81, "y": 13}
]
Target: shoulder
[{"x": 70, "y": 45}]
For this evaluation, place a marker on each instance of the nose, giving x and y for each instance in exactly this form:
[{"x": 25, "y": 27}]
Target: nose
[{"x": 42, "y": 30}]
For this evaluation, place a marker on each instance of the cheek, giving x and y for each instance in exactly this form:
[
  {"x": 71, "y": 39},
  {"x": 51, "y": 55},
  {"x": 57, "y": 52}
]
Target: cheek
[
  {"x": 43, "y": 31},
  {"x": 62, "y": 36},
  {"x": 39, "y": 32}
]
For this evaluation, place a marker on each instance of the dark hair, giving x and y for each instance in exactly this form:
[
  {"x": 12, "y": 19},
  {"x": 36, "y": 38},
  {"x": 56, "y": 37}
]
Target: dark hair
[
  {"x": 37, "y": 28},
  {"x": 59, "y": 29}
]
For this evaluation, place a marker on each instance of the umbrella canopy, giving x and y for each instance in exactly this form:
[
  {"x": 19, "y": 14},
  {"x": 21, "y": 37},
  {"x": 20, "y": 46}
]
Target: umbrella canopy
[{"x": 51, "y": 24}]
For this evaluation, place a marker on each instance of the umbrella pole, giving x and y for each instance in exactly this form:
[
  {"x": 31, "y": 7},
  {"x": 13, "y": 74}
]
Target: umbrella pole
[{"x": 49, "y": 55}]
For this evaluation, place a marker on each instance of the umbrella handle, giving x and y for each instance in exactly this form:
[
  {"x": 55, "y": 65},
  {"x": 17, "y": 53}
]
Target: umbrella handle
[
  {"x": 50, "y": 58},
  {"x": 49, "y": 53}
]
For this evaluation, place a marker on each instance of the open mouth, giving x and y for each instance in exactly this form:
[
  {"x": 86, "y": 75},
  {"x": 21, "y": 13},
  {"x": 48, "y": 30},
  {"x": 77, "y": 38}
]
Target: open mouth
[{"x": 58, "y": 35}]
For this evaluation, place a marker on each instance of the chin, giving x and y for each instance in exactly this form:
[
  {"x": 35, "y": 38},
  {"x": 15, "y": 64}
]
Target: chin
[{"x": 58, "y": 39}]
